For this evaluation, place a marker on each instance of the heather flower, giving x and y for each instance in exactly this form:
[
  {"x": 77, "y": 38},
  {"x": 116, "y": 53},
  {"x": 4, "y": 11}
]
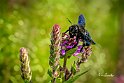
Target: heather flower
[{"x": 25, "y": 67}]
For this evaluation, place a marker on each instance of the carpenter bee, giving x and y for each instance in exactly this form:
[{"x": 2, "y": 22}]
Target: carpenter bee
[{"x": 79, "y": 31}]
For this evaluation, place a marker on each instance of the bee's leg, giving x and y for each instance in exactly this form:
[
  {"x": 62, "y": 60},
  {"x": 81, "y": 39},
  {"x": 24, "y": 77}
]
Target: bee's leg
[
  {"x": 76, "y": 44},
  {"x": 93, "y": 42},
  {"x": 83, "y": 41},
  {"x": 84, "y": 44},
  {"x": 66, "y": 31}
]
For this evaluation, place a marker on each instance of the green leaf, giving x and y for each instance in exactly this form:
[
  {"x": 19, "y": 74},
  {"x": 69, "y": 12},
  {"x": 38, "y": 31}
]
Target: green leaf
[
  {"x": 71, "y": 80},
  {"x": 70, "y": 52},
  {"x": 59, "y": 80},
  {"x": 49, "y": 72},
  {"x": 27, "y": 81},
  {"x": 51, "y": 61},
  {"x": 73, "y": 68}
]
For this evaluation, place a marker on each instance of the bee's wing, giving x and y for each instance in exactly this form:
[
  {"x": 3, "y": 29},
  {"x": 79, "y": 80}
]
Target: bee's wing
[
  {"x": 81, "y": 20},
  {"x": 88, "y": 37}
]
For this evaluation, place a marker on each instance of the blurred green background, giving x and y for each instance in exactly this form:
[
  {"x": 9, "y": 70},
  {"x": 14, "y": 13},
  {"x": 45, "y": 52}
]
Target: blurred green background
[{"x": 28, "y": 23}]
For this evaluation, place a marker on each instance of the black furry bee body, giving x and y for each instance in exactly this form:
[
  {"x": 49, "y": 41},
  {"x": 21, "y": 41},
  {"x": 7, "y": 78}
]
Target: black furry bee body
[{"x": 80, "y": 32}]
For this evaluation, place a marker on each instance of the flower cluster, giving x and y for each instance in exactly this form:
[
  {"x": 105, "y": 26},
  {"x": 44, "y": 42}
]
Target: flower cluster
[
  {"x": 70, "y": 43},
  {"x": 67, "y": 43}
]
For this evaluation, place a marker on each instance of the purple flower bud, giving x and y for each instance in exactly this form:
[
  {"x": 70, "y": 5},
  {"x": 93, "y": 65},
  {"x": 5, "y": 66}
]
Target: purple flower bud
[
  {"x": 78, "y": 50},
  {"x": 69, "y": 47},
  {"x": 79, "y": 47},
  {"x": 76, "y": 53},
  {"x": 64, "y": 43},
  {"x": 63, "y": 52}
]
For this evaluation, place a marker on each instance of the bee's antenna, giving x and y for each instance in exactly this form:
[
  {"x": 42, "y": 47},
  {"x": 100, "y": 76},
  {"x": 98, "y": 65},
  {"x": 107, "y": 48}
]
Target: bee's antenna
[{"x": 69, "y": 21}]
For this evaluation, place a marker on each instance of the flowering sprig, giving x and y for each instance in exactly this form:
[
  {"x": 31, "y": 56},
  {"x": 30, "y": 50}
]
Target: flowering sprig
[
  {"x": 59, "y": 49},
  {"x": 26, "y": 73},
  {"x": 55, "y": 52},
  {"x": 67, "y": 45}
]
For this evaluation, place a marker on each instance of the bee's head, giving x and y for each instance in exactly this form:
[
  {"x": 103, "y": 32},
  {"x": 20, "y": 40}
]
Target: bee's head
[{"x": 73, "y": 30}]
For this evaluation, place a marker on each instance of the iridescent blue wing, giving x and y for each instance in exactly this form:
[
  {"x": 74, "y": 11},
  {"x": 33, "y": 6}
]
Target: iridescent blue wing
[
  {"x": 81, "y": 20},
  {"x": 88, "y": 39}
]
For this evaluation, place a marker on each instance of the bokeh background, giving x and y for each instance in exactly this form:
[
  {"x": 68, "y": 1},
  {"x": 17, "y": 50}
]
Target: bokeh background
[{"x": 28, "y": 23}]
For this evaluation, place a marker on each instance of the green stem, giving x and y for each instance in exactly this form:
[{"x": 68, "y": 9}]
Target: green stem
[
  {"x": 64, "y": 67},
  {"x": 54, "y": 80},
  {"x": 26, "y": 81},
  {"x": 69, "y": 76},
  {"x": 65, "y": 61}
]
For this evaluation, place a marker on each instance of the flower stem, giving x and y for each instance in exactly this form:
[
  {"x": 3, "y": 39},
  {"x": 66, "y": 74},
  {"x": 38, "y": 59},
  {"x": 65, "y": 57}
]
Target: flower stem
[
  {"x": 54, "y": 80},
  {"x": 64, "y": 67},
  {"x": 65, "y": 61}
]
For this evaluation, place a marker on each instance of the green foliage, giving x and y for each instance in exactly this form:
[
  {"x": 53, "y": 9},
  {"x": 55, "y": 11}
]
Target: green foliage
[
  {"x": 75, "y": 77},
  {"x": 26, "y": 81},
  {"x": 73, "y": 69},
  {"x": 49, "y": 72},
  {"x": 70, "y": 52}
]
